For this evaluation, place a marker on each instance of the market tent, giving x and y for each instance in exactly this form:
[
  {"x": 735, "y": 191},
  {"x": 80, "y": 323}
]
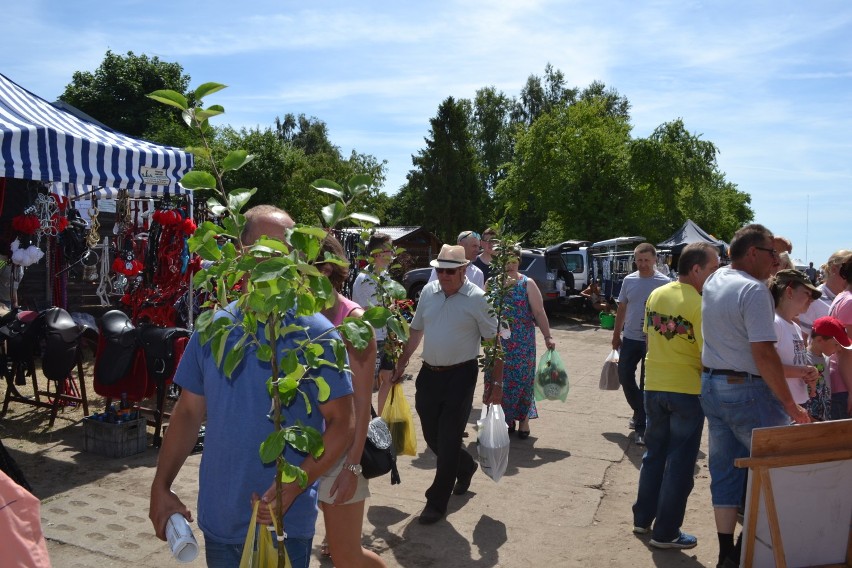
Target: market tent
[
  {"x": 691, "y": 233},
  {"x": 41, "y": 142}
]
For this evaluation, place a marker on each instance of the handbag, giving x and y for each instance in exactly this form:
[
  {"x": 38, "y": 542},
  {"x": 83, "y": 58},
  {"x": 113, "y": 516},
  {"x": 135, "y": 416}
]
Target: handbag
[
  {"x": 609, "y": 372},
  {"x": 378, "y": 457},
  {"x": 258, "y": 549}
]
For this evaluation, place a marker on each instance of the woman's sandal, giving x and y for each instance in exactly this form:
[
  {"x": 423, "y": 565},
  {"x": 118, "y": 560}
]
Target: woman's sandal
[
  {"x": 523, "y": 434},
  {"x": 324, "y": 551}
]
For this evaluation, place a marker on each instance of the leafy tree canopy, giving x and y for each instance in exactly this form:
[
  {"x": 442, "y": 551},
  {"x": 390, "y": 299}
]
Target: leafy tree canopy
[{"x": 115, "y": 94}]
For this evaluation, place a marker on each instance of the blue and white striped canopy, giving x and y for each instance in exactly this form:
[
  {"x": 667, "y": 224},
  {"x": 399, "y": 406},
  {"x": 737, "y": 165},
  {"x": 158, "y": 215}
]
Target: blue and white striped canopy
[{"x": 41, "y": 142}]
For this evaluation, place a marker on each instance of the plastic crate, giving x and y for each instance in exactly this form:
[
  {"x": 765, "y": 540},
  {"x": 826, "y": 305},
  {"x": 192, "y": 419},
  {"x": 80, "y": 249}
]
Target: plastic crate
[{"x": 115, "y": 440}]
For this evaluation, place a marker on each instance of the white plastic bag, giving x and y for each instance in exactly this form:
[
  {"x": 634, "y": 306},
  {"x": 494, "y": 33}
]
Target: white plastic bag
[
  {"x": 609, "y": 372},
  {"x": 493, "y": 441}
]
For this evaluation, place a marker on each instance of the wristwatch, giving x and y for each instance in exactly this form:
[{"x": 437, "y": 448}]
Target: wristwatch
[{"x": 355, "y": 468}]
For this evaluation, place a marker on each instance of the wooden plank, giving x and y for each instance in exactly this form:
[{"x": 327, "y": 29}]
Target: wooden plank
[
  {"x": 802, "y": 438},
  {"x": 794, "y": 459},
  {"x": 750, "y": 529},
  {"x": 772, "y": 518}
]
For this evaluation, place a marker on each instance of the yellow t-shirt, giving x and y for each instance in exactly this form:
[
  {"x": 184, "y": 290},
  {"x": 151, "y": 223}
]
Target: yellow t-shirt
[{"x": 673, "y": 327}]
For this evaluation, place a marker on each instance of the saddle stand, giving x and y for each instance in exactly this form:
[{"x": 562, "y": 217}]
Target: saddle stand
[
  {"x": 62, "y": 353},
  {"x": 137, "y": 362}
]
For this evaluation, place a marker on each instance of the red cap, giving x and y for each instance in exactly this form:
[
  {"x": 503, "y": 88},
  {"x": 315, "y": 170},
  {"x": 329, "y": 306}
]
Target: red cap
[{"x": 832, "y": 327}]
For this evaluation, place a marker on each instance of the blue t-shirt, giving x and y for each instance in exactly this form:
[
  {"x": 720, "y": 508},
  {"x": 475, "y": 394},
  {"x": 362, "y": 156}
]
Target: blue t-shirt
[{"x": 237, "y": 409}]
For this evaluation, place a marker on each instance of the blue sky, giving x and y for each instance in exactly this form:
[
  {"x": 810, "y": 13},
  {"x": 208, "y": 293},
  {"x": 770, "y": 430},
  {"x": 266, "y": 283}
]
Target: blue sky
[{"x": 770, "y": 83}]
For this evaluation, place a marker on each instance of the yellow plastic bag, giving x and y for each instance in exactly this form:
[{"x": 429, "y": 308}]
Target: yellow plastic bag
[
  {"x": 259, "y": 551},
  {"x": 397, "y": 414}
]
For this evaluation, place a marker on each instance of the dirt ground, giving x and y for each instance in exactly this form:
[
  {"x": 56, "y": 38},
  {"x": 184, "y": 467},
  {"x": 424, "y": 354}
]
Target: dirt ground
[{"x": 565, "y": 499}]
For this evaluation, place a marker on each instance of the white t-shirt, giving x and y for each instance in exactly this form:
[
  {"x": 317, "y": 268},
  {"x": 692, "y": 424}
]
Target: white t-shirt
[
  {"x": 791, "y": 349},
  {"x": 364, "y": 294},
  {"x": 736, "y": 310}
]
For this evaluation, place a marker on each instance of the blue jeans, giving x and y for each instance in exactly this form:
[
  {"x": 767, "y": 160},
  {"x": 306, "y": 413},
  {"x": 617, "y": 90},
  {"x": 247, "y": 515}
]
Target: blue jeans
[
  {"x": 839, "y": 400},
  {"x": 735, "y": 406},
  {"x": 673, "y": 430},
  {"x": 221, "y": 555},
  {"x": 631, "y": 354}
]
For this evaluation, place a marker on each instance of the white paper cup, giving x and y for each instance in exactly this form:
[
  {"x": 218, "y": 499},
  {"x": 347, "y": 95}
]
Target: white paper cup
[{"x": 181, "y": 540}]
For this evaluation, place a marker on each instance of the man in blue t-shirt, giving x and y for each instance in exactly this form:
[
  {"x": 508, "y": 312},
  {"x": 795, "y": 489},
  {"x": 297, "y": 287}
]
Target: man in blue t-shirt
[
  {"x": 232, "y": 475},
  {"x": 630, "y": 317}
]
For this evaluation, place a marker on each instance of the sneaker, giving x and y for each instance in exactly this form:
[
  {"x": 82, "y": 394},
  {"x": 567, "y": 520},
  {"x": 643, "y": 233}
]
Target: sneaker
[
  {"x": 682, "y": 541},
  {"x": 632, "y": 424},
  {"x": 639, "y": 439},
  {"x": 641, "y": 530}
]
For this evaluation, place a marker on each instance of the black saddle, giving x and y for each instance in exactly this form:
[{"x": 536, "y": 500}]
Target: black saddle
[
  {"x": 62, "y": 342},
  {"x": 159, "y": 346},
  {"x": 119, "y": 339},
  {"x": 20, "y": 330}
]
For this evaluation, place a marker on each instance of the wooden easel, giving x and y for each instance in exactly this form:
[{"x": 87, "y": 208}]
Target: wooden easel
[{"x": 787, "y": 446}]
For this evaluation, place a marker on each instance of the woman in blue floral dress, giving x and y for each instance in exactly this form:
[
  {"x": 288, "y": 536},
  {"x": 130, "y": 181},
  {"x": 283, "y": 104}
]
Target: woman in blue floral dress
[{"x": 525, "y": 308}]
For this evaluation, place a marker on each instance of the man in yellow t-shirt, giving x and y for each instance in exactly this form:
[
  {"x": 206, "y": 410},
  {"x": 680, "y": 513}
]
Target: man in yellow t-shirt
[{"x": 675, "y": 420}]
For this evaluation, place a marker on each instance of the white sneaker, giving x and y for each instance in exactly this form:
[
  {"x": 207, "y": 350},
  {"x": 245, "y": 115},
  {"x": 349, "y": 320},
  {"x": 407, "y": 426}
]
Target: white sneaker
[{"x": 639, "y": 439}]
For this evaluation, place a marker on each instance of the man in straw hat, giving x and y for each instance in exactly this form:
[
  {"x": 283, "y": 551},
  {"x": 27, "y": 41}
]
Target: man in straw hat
[{"x": 451, "y": 317}]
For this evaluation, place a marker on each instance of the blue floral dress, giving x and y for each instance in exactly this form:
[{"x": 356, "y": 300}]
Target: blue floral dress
[{"x": 519, "y": 364}]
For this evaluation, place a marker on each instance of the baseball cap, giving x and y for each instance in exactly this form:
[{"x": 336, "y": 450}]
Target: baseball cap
[
  {"x": 790, "y": 276},
  {"x": 832, "y": 327}
]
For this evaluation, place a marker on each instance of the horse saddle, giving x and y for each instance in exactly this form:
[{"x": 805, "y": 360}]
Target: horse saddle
[
  {"x": 117, "y": 347},
  {"x": 62, "y": 341},
  {"x": 161, "y": 350}
]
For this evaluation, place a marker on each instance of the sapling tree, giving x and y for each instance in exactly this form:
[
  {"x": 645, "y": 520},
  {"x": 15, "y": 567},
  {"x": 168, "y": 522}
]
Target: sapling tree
[{"x": 254, "y": 290}]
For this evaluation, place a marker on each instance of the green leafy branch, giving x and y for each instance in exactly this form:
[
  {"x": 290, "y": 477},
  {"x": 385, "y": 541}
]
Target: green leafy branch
[{"x": 255, "y": 290}]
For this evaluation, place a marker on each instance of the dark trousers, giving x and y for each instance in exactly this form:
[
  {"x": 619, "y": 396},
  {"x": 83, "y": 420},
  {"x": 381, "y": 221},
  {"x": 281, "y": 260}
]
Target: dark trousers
[
  {"x": 631, "y": 355},
  {"x": 443, "y": 401}
]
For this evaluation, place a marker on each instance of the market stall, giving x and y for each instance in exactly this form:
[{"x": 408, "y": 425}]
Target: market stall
[{"x": 52, "y": 160}]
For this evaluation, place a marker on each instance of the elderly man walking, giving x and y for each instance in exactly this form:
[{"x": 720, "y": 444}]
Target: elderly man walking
[
  {"x": 635, "y": 289},
  {"x": 675, "y": 420},
  {"x": 742, "y": 383},
  {"x": 451, "y": 317}
]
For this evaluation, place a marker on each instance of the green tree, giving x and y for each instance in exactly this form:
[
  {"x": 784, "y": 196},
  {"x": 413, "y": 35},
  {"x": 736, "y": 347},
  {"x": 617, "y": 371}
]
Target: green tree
[
  {"x": 493, "y": 136},
  {"x": 282, "y": 171},
  {"x": 570, "y": 176},
  {"x": 677, "y": 178},
  {"x": 445, "y": 174},
  {"x": 115, "y": 94},
  {"x": 539, "y": 96}
]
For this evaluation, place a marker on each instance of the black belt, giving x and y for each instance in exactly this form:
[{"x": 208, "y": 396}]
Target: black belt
[
  {"x": 730, "y": 373},
  {"x": 442, "y": 368}
]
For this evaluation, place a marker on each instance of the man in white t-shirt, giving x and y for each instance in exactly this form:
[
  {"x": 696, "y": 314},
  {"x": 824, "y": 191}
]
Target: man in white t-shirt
[{"x": 742, "y": 383}]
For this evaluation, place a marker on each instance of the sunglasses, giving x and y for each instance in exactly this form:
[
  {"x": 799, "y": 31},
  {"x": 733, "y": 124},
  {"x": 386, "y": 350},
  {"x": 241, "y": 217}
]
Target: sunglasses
[
  {"x": 449, "y": 271},
  {"x": 467, "y": 234},
  {"x": 773, "y": 252}
]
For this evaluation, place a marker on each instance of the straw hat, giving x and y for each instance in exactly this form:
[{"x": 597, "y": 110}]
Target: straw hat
[{"x": 451, "y": 256}]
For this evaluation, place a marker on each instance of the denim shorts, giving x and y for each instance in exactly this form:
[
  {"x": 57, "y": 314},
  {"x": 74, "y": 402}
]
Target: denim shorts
[{"x": 735, "y": 406}]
